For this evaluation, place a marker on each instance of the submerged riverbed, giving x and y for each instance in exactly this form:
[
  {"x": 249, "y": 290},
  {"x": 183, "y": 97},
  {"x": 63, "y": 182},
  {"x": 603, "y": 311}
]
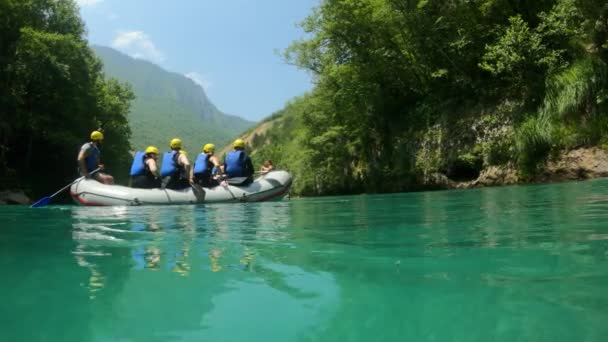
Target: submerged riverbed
[{"x": 522, "y": 263}]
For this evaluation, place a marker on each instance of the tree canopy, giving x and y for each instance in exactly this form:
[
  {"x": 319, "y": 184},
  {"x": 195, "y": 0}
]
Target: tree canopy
[
  {"x": 407, "y": 89},
  {"x": 53, "y": 94}
]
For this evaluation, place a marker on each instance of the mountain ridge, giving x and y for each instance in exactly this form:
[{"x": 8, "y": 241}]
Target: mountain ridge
[{"x": 169, "y": 104}]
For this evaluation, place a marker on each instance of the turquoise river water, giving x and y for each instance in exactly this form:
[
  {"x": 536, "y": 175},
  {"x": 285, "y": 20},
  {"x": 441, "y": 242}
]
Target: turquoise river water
[{"x": 523, "y": 263}]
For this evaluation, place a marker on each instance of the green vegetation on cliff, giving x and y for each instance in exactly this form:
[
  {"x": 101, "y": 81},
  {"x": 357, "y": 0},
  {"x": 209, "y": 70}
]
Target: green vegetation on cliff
[
  {"x": 168, "y": 105},
  {"x": 52, "y": 95},
  {"x": 405, "y": 90}
]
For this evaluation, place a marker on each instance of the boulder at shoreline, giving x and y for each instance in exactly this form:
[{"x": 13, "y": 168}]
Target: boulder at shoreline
[{"x": 14, "y": 197}]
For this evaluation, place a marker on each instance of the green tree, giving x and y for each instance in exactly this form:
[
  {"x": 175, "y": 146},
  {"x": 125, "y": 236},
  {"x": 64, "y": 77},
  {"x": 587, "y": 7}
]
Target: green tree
[
  {"x": 53, "y": 94},
  {"x": 407, "y": 89}
]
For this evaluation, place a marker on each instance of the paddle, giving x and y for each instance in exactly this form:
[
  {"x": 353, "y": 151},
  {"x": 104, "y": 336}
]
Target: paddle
[
  {"x": 45, "y": 200},
  {"x": 198, "y": 191},
  {"x": 224, "y": 184}
]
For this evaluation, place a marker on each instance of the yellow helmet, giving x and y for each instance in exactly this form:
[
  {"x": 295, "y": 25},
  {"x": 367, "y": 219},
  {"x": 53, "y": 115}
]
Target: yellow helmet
[
  {"x": 151, "y": 149},
  {"x": 208, "y": 148},
  {"x": 238, "y": 143},
  {"x": 183, "y": 152},
  {"x": 175, "y": 143},
  {"x": 96, "y": 135}
]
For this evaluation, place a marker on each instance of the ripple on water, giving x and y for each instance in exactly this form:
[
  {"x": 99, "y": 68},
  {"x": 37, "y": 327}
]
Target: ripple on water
[{"x": 526, "y": 263}]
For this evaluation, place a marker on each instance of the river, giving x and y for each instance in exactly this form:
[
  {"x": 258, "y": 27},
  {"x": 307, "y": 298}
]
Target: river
[{"x": 520, "y": 263}]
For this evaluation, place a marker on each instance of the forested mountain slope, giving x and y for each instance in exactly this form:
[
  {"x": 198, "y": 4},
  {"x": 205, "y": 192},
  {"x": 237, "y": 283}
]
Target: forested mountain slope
[{"x": 168, "y": 105}]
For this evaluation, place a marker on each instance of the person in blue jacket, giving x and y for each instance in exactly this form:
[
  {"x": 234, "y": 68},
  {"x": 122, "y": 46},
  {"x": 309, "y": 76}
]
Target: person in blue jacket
[
  {"x": 175, "y": 169},
  {"x": 206, "y": 166},
  {"x": 238, "y": 163},
  {"x": 144, "y": 170},
  {"x": 88, "y": 159}
]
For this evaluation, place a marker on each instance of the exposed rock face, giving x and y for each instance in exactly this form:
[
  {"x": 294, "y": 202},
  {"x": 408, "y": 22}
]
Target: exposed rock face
[
  {"x": 14, "y": 197},
  {"x": 498, "y": 175},
  {"x": 252, "y": 138},
  {"x": 582, "y": 163},
  {"x": 492, "y": 176},
  {"x": 438, "y": 181}
]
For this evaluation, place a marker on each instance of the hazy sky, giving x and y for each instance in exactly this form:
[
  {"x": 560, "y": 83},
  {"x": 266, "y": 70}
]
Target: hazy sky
[{"x": 227, "y": 46}]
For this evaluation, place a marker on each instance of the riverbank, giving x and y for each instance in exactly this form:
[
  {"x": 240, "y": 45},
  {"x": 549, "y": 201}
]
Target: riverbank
[{"x": 577, "y": 164}]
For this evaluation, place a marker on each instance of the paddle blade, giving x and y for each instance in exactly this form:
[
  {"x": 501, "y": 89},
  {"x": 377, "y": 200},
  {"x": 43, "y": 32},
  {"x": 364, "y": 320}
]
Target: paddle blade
[{"x": 41, "y": 202}]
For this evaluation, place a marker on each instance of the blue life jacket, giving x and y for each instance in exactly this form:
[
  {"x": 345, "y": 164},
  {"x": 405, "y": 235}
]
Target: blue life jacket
[
  {"x": 169, "y": 167},
  {"x": 138, "y": 167},
  {"x": 235, "y": 164},
  {"x": 201, "y": 165},
  {"x": 92, "y": 160}
]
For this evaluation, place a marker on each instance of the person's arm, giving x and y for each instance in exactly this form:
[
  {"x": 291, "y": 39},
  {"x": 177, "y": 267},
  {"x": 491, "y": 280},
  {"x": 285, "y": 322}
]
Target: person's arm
[
  {"x": 152, "y": 166},
  {"x": 183, "y": 160},
  {"x": 82, "y": 166},
  {"x": 216, "y": 163}
]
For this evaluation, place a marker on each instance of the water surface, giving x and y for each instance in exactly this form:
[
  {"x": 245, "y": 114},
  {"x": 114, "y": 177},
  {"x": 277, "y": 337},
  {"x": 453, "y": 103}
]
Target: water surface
[{"x": 524, "y": 263}]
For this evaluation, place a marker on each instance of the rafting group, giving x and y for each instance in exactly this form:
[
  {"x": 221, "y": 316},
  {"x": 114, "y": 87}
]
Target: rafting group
[{"x": 175, "y": 171}]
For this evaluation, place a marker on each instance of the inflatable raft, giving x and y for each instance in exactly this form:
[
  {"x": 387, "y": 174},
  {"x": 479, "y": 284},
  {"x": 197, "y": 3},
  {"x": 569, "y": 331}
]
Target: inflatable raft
[{"x": 274, "y": 185}]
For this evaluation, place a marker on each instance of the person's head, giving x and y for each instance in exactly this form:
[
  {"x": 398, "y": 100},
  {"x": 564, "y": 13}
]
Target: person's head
[
  {"x": 238, "y": 144},
  {"x": 175, "y": 144},
  {"x": 268, "y": 162},
  {"x": 97, "y": 137},
  {"x": 209, "y": 148},
  {"x": 152, "y": 151}
]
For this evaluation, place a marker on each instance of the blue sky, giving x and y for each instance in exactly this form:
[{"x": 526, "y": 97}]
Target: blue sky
[{"x": 227, "y": 46}]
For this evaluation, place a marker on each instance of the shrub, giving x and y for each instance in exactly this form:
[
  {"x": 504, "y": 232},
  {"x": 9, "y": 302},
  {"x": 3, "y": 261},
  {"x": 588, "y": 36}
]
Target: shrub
[
  {"x": 534, "y": 142},
  {"x": 497, "y": 151}
]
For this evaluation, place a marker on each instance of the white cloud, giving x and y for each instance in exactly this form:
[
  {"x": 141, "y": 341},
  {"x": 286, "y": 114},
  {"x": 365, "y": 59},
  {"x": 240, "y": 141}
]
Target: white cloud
[
  {"x": 138, "y": 45},
  {"x": 200, "y": 80},
  {"x": 84, "y": 3}
]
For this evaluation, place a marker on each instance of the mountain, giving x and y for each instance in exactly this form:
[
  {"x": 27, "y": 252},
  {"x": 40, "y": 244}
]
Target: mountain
[{"x": 169, "y": 105}]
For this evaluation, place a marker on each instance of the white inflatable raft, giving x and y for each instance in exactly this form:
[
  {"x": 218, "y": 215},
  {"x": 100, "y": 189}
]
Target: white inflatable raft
[{"x": 274, "y": 185}]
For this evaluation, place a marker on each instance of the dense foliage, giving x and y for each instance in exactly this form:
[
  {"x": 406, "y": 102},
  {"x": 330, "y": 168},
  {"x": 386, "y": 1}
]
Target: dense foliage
[
  {"x": 169, "y": 105},
  {"x": 52, "y": 95},
  {"x": 407, "y": 89}
]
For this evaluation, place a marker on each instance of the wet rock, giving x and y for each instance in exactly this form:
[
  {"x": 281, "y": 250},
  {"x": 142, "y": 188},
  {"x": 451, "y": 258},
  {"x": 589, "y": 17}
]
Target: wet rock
[{"x": 14, "y": 197}]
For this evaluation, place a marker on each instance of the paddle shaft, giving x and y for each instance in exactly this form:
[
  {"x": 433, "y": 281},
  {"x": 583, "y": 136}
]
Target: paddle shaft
[{"x": 76, "y": 180}]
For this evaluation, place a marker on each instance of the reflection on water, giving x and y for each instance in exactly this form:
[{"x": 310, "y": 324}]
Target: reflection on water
[
  {"x": 227, "y": 252},
  {"x": 502, "y": 264},
  {"x": 169, "y": 237}
]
